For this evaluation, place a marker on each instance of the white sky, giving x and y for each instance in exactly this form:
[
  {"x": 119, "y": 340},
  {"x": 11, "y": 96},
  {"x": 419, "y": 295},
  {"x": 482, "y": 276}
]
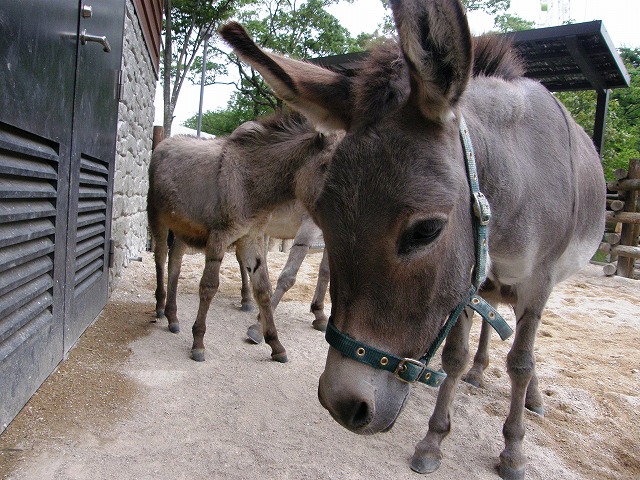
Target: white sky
[{"x": 621, "y": 19}]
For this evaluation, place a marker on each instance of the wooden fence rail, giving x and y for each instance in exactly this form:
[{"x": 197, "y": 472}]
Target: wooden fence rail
[{"x": 620, "y": 241}]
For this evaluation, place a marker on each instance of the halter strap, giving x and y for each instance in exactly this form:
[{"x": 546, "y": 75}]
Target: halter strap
[
  {"x": 405, "y": 369},
  {"x": 408, "y": 369},
  {"x": 481, "y": 208}
]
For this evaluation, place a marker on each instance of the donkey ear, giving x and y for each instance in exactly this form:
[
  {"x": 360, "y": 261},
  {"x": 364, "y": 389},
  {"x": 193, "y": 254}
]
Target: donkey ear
[
  {"x": 321, "y": 95},
  {"x": 436, "y": 41}
]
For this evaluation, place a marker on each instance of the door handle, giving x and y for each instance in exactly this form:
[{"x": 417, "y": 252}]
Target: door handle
[{"x": 85, "y": 37}]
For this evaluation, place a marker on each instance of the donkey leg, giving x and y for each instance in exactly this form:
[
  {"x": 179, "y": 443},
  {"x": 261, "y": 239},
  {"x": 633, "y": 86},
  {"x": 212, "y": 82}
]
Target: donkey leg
[
  {"x": 208, "y": 287},
  {"x": 243, "y": 252},
  {"x": 455, "y": 355},
  {"x": 317, "y": 305},
  {"x": 521, "y": 369},
  {"x": 475, "y": 375},
  {"x": 256, "y": 262},
  {"x": 160, "y": 257},
  {"x": 287, "y": 278},
  {"x": 533, "y": 399},
  {"x": 306, "y": 234},
  {"x": 176, "y": 252},
  {"x": 246, "y": 302}
]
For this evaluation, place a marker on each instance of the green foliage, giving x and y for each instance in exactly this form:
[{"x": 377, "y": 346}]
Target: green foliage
[
  {"x": 187, "y": 23},
  {"x": 511, "y": 23},
  {"x": 192, "y": 21},
  {"x": 490, "y": 6},
  {"x": 298, "y": 29},
  {"x": 629, "y": 98},
  {"x": 239, "y": 109},
  {"x": 301, "y": 29}
]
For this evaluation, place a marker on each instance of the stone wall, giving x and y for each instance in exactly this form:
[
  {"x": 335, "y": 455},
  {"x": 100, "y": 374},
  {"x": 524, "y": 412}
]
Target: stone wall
[{"x": 133, "y": 148}]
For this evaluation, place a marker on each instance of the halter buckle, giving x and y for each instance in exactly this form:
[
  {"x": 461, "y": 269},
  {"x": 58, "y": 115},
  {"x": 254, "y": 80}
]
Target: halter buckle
[
  {"x": 403, "y": 367},
  {"x": 481, "y": 208}
]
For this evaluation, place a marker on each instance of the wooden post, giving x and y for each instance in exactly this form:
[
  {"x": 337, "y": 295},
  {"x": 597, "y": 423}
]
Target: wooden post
[
  {"x": 624, "y": 217},
  {"x": 609, "y": 269},
  {"x": 615, "y": 205},
  {"x": 626, "y": 265},
  {"x": 625, "y": 251},
  {"x": 158, "y": 135}
]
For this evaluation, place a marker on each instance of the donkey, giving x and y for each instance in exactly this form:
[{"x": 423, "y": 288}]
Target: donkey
[
  {"x": 292, "y": 221},
  {"x": 407, "y": 229},
  {"x": 289, "y": 221},
  {"x": 215, "y": 193}
]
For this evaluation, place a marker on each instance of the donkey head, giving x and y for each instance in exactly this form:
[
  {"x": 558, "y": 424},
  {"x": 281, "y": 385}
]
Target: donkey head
[{"x": 395, "y": 204}]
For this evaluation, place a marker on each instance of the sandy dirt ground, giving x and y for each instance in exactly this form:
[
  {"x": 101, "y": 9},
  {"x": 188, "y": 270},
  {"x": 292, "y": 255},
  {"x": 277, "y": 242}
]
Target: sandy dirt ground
[{"x": 129, "y": 403}]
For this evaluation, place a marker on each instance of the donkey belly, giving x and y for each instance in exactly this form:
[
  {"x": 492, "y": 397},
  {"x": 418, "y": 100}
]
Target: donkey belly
[{"x": 192, "y": 233}]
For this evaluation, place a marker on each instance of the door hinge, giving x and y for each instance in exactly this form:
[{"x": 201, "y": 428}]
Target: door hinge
[
  {"x": 120, "y": 86},
  {"x": 112, "y": 251}
]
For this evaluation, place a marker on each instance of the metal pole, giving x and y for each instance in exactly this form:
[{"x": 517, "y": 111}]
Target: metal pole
[{"x": 204, "y": 72}]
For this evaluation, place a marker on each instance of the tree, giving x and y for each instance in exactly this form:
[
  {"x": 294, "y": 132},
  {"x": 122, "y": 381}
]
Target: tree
[
  {"x": 299, "y": 29},
  {"x": 490, "y": 6},
  {"x": 629, "y": 98},
  {"x": 223, "y": 121},
  {"x": 302, "y": 30},
  {"x": 187, "y": 23},
  {"x": 506, "y": 22}
]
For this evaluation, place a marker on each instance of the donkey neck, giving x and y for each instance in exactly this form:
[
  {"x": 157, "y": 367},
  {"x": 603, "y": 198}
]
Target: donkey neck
[{"x": 271, "y": 168}]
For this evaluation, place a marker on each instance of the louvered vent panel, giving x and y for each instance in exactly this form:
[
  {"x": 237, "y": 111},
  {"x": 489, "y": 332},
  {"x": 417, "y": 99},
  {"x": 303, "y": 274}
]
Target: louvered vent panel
[
  {"x": 91, "y": 227},
  {"x": 28, "y": 192}
]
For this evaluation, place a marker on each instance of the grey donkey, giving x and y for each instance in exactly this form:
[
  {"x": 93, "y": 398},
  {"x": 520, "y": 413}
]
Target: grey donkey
[
  {"x": 396, "y": 211},
  {"x": 215, "y": 193}
]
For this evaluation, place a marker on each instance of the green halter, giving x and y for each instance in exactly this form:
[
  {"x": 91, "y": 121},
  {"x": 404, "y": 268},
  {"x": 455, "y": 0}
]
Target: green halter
[{"x": 411, "y": 370}]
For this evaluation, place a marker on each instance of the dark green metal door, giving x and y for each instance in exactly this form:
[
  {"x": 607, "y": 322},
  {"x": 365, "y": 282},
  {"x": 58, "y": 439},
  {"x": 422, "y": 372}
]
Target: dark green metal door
[
  {"x": 58, "y": 118},
  {"x": 95, "y": 117}
]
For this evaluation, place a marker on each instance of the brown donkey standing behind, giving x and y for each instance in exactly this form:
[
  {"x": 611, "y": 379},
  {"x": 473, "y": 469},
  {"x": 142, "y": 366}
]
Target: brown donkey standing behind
[{"x": 214, "y": 193}]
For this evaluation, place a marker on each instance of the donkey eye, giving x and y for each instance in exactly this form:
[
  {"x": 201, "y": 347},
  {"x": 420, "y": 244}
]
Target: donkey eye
[{"x": 420, "y": 235}]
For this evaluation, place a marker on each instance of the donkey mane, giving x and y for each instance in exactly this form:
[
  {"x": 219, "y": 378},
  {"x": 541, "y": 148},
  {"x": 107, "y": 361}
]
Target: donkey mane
[
  {"x": 277, "y": 126},
  {"x": 270, "y": 134},
  {"x": 382, "y": 81},
  {"x": 494, "y": 56}
]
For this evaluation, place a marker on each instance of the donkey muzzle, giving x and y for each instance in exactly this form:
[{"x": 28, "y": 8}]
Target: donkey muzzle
[{"x": 360, "y": 398}]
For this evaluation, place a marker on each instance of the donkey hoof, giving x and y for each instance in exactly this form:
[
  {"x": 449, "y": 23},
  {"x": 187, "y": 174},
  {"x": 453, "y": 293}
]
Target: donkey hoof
[
  {"x": 539, "y": 409},
  {"x": 280, "y": 357},
  {"x": 424, "y": 464},
  {"x": 174, "y": 327},
  {"x": 247, "y": 307},
  {"x": 472, "y": 380},
  {"x": 320, "y": 325},
  {"x": 254, "y": 332},
  {"x": 510, "y": 473},
  {"x": 197, "y": 354},
  {"x": 160, "y": 313}
]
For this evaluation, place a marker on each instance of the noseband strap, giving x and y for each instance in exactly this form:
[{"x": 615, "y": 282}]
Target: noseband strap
[
  {"x": 405, "y": 369},
  {"x": 408, "y": 369}
]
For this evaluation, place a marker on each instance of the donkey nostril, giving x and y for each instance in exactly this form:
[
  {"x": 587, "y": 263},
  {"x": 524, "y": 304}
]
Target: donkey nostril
[{"x": 362, "y": 415}]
